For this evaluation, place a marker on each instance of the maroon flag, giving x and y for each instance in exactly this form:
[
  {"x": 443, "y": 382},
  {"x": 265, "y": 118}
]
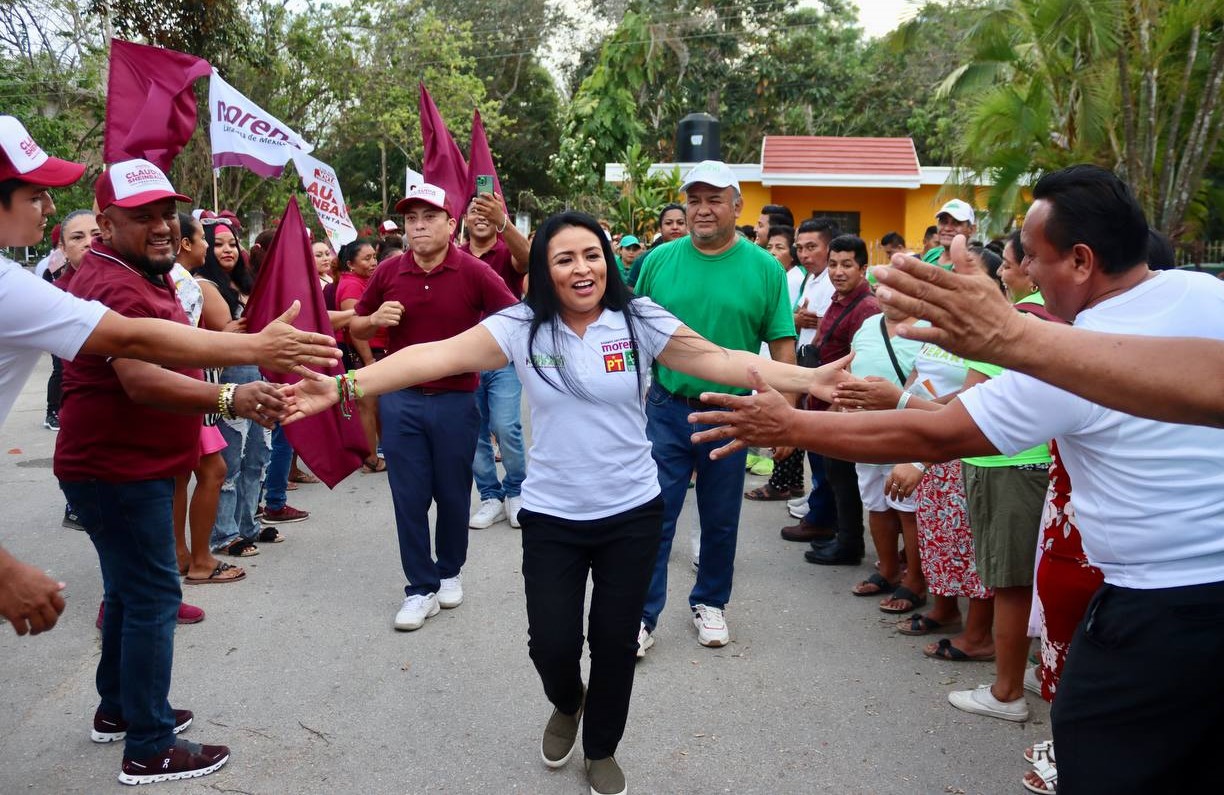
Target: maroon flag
[
  {"x": 444, "y": 165},
  {"x": 480, "y": 159},
  {"x": 332, "y": 446},
  {"x": 150, "y": 104}
]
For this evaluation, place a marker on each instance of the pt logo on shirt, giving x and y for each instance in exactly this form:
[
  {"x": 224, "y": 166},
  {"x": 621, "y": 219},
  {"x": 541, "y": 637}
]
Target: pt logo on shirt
[{"x": 619, "y": 356}]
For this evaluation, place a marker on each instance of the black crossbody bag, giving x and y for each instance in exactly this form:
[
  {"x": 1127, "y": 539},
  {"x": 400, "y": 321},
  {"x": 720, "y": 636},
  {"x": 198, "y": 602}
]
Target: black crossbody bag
[{"x": 809, "y": 355}]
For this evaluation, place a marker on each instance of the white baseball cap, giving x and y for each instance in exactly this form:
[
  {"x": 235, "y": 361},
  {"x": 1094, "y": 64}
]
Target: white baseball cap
[
  {"x": 959, "y": 210},
  {"x": 133, "y": 183},
  {"x": 710, "y": 172},
  {"x": 22, "y": 158},
  {"x": 389, "y": 226},
  {"x": 430, "y": 194}
]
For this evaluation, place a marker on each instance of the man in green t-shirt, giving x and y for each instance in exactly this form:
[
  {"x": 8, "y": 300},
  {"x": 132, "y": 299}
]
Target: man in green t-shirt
[
  {"x": 954, "y": 218},
  {"x": 733, "y": 293}
]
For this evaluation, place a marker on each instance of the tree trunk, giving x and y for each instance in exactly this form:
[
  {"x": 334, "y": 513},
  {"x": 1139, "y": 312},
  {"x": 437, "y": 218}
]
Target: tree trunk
[
  {"x": 1195, "y": 153},
  {"x": 1174, "y": 127}
]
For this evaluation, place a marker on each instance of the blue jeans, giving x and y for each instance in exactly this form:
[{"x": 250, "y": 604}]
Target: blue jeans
[
  {"x": 822, "y": 510},
  {"x": 132, "y": 527},
  {"x": 429, "y": 441},
  {"x": 499, "y": 400},
  {"x": 276, "y": 481},
  {"x": 246, "y": 454},
  {"x": 720, "y": 487}
]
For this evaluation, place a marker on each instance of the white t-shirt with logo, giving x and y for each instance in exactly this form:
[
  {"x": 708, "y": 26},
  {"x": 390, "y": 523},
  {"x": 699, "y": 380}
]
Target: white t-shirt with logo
[
  {"x": 1149, "y": 496},
  {"x": 818, "y": 291},
  {"x": 36, "y": 317},
  {"x": 590, "y": 457},
  {"x": 939, "y": 372}
]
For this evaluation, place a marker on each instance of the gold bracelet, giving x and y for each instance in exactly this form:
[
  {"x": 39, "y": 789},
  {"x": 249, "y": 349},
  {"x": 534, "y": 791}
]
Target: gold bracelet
[{"x": 225, "y": 402}]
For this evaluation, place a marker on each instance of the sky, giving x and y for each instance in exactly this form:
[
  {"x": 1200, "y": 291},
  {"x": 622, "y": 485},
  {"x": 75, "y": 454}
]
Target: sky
[{"x": 878, "y": 17}]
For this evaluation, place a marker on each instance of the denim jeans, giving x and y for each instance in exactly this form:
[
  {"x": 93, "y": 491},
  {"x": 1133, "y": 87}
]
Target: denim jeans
[
  {"x": 131, "y": 526},
  {"x": 247, "y": 450},
  {"x": 720, "y": 486},
  {"x": 429, "y": 441},
  {"x": 499, "y": 400},
  {"x": 822, "y": 508},
  {"x": 276, "y": 481}
]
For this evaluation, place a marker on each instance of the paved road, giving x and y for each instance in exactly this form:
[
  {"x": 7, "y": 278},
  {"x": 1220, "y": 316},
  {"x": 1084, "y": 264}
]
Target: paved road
[{"x": 299, "y": 671}]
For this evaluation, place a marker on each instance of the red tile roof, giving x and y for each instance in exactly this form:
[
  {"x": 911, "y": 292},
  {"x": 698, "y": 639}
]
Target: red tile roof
[{"x": 809, "y": 154}]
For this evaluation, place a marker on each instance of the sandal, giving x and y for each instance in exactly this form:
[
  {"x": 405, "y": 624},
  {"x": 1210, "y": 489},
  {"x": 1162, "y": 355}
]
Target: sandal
[
  {"x": 270, "y": 535},
  {"x": 767, "y": 493},
  {"x": 903, "y": 594},
  {"x": 1040, "y": 752},
  {"x": 1048, "y": 774},
  {"x": 944, "y": 650},
  {"x": 880, "y": 584},
  {"x": 368, "y": 468},
  {"x": 241, "y": 549},
  {"x": 918, "y": 624},
  {"x": 303, "y": 477},
  {"x": 234, "y": 574}
]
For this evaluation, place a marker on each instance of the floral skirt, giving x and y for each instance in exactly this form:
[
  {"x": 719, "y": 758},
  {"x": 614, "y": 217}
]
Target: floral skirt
[{"x": 945, "y": 542}]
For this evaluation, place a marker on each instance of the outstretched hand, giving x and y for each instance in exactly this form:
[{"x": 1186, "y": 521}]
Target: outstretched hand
[
  {"x": 969, "y": 315},
  {"x": 314, "y": 394},
  {"x": 827, "y": 377},
  {"x": 282, "y": 347},
  {"x": 760, "y": 420},
  {"x": 870, "y": 394}
]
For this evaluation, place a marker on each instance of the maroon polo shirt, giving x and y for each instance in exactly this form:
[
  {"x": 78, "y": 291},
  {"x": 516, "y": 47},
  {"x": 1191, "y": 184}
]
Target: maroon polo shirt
[
  {"x": 104, "y": 434},
  {"x": 448, "y": 300},
  {"x": 502, "y": 262}
]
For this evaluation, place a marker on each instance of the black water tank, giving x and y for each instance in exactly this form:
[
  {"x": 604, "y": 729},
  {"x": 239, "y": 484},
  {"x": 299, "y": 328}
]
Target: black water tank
[{"x": 697, "y": 139}]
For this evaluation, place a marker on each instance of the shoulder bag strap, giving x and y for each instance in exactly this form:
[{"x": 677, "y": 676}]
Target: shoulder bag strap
[
  {"x": 891, "y": 354},
  {"x": 840, "y": 318}
]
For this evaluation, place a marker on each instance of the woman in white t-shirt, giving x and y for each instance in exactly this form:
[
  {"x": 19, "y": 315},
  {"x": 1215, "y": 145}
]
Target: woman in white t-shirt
[{"x": 581, "y": 343}]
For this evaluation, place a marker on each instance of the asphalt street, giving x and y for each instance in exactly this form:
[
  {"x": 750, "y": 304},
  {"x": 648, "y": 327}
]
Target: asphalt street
[{"x": 299, "y": 671}]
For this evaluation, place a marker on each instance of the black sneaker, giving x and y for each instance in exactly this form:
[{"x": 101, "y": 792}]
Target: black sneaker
[
  {"x": 51, "y": 422},
  {"x": 109, "y": 730},
  {"x": 182, "y": 760},
  {"x": 71, "y": 520}
]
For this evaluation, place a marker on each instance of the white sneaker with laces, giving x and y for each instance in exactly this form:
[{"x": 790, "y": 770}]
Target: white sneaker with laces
[
  {"x": 980, "y": 701},
  {"x": 489, "y": 513},
  {"x": 1031, "y": 682},
  {"x": 645, "y": 641},
  {"x": 513, "y": 505},
  {"x": 711, "y": 626},
  {"x": 450, "y": 594},
  {"x": 415, "y": 610}
]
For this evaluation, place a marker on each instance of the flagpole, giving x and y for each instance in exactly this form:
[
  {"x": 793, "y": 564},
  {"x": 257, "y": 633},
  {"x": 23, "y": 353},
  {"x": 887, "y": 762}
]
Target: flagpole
[{"x": 216, "y": 204}]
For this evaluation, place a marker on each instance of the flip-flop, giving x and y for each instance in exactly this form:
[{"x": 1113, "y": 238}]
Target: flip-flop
[
  {"x": 215, "y": 578},
  {"x": 905, "y": 594},
  {"x": 270, "y": 535},
  {"x": 944, "y": 650},
  {"x": 767, "y": 493},
  {"x": 882, "y": 586},
  {"x": 379, "y": 465},
  {"x": 919, "y": 624},
  {"x": 241, "y": 549},
  {"x": 303, "y": 477}
]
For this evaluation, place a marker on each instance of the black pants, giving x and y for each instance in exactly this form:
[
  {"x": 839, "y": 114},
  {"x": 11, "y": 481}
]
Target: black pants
[
  {"x": 55, "y": 384},
  {"x": 843, "y": 481},
  {"x": 788, "y": 473},
  {"x": 1141, "y": 700},
  {"x": 619, "y": 552}
]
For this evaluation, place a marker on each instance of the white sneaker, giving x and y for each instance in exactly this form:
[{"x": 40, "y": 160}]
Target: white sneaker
[
  {"x": 415, "y": 610},
  {"x": 451, "y": 593},
  {"x": 980, "y": 701},
  {"x": 1031, "y": 682},
  {"x": 711, "y": 626},
  {"x": 798, "y": 507},
  {"x": 645, "y": 641},
  {"x": 489, "y": 513},
  {"x": 513, "y": 505}
]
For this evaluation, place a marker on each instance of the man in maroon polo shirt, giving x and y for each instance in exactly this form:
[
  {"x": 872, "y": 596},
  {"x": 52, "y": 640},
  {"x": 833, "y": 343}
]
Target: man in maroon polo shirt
[
  {"x": 432, "y": 292},
  {"x": 852, "y": 304},
  {"x": 129, "y": 428},
  {"x": 499, "y": 397}
]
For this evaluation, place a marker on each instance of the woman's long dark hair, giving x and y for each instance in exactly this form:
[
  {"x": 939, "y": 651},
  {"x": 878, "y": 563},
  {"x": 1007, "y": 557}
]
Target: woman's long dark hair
[
  {"x": 546, "y": 305},
  {"x": 212, "y": 270}
]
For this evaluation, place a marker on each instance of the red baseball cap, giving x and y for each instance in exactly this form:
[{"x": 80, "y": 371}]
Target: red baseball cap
[
  {"x": 21, "y": 158},
  {"x": 133, "y": 183},
  {"x": 429, "y": 194}
]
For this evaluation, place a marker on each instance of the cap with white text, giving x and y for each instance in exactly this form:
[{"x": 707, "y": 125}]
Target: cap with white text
[
  {"x": 959, "y": 210},
  {"x": 22, "y": 158},
  {"x": 133, "y": 183},
  {"x": 710, "y": 172},
  {"x": 429, "y": 194}
]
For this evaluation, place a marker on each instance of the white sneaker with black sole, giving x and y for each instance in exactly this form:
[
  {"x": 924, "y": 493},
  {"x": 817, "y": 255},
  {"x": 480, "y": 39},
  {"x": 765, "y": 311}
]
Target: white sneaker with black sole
[
  {"x": 415, "y": 610},
  {"x": 711, "y": 626},
  {"x": 488, "y": 514},
  {"x": 450, "y": 594}
]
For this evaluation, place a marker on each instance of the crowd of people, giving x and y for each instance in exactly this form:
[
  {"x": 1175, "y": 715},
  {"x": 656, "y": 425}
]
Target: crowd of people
[{"x": 980, "y": 488}]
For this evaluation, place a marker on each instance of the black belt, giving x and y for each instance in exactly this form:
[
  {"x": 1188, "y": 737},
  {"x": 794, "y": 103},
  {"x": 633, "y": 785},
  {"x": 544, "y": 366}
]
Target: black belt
[{"x": 692, "y": 403}]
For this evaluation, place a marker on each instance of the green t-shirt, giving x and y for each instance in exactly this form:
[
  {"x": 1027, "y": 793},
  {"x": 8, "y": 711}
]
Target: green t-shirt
[
  {"x": 933, "y": 255},
  {"x": 1034, "y": 455},
  {"x": 737, "y": 299}
]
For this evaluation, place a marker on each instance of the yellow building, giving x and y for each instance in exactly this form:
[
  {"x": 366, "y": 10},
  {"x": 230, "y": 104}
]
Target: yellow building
[{"x": 870, "y": 186}]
